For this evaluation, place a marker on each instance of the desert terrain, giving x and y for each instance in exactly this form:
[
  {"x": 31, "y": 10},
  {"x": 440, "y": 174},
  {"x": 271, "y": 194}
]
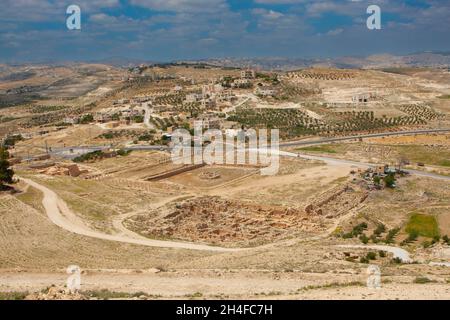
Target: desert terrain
[{"x": 363, "y": 180}]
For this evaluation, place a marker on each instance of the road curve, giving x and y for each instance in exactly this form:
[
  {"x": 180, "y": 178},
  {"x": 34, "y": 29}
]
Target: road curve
[{"x": 59, "y": 213}]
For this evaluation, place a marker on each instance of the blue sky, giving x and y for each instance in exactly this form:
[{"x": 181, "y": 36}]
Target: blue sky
[{"x": 164, "y": 30}]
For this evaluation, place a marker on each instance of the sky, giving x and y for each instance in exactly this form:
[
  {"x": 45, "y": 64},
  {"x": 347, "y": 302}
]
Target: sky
[{"x": 166, "y": 30}]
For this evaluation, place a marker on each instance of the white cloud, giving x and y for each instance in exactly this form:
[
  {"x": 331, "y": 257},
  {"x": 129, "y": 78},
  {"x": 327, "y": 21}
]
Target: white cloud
[{"x": 192, "y": 6}]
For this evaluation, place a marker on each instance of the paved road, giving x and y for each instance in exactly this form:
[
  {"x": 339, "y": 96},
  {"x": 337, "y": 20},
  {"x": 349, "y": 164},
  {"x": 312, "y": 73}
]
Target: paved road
[
  {"x": 374, "y": 135},
  {"x": 72, "y": 152},
  {"x": 334, "y": 161},
  {"x": 66, "y": 152}
]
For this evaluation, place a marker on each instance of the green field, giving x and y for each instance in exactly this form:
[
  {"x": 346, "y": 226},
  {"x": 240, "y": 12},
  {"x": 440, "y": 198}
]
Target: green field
[
  {"x": 424, "y": 225},
  {"x": 425, "y": 154}
]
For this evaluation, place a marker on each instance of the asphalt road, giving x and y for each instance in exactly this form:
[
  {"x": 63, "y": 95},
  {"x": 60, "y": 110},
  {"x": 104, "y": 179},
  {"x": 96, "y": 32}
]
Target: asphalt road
[
  {"x": 373, "y": 135},
  {"x": 71, "y": 152}
]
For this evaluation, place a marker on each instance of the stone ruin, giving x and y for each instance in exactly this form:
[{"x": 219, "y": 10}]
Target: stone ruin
[
  {"x": 221, "y": 221},
  {"x": 71, "y": 170},
  {"x": 209, "y": 175}
]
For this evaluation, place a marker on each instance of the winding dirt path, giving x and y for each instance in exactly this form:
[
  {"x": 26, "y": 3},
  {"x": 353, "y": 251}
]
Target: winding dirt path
[{"x": 59, "y": 213}]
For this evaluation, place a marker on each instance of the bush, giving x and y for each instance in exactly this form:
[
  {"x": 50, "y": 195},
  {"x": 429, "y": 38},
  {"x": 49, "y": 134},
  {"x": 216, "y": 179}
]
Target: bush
[
  {"x": 6, "y": 173},
  {"x": 138, "y": 119},
  {"x": 382, "y": 254},
  {"x": 426, "y": 244},
  {"x": 412, "y": 236},
  {"x": 146, "y": 137},
  {"x": 380, "y": 229},
  {"x": 374, "y": 238},
  {"x": 364, "y": 260},
  {"x": 389, "y": 181},
  {"x": 123, "y": 153},
  {"x": 89, "y": 156},
  {"x": 87, "y": 118},
  {"x": 371, "y": 256},
  {"x": 422, "y": 280},
  {"x": 435, "y": 239},
  {"x": 364, "y": 239},
  {"x": 391, "y": 235},
  {"x": 446, "y": 239},
  {"x": 397, "y": 260},
  {"x": 10, "y": 141},
  {"x": 377, "y": 180}
]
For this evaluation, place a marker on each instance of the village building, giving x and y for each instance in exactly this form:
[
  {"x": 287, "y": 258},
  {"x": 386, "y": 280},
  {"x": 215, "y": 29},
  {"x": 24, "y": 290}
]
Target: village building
[
  {"x": 265, "y": 91},
  {"x": 193, "y": 97},
  {"x": 361, "y": 98},
  {"x": 248, "y": 74},
  {"x": 241, "y": 83}
]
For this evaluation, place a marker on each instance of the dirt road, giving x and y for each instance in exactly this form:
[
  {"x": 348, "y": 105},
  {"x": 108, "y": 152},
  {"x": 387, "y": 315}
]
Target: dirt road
[{"x": 59, "y": 213}]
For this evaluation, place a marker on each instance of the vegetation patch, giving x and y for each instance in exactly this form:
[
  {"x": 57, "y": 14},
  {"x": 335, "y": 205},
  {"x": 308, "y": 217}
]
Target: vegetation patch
[
  {"x": 13, "y": 295},
  {"x": 422, "y": 225}
]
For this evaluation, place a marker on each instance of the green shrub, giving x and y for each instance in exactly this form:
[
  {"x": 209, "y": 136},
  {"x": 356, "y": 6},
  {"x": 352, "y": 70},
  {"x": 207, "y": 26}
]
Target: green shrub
[
  {"x": 391, "y": 235},
  {"x": 123, "y": 153},
  {"x": 364, "y": 239},
  {"x": 389, "y": 181},
  {"x": 371, "y": 256},
  {"x": 412, "y": 236},
  {"x": 397, "y": 260},
  {"x": 446, "y": 239},
  {"x": 89, "y": 156},
  {"x": 435, "y": 240},
  {"x": 364, "y": 260},
  {"x": 422, "y": 280},
  {"x": 6, "y": 173},
  {"x": 13, "y": 295},
  {"x": 87, "y": 118},
  {"x": 380, "y": 229}
]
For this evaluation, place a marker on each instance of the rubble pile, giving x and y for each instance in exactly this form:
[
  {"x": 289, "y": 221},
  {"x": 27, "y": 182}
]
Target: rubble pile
[
  {"x": 336, "y": 202},
  {"x": 217, "y": 220},
  {"x": 56, "y": 293},
  {"x": 71, "y": 170}
]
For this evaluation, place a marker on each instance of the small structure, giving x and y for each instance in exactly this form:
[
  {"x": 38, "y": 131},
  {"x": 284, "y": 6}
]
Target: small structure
[
  {"x": 362, "y": 98},
  {"x": 266, "y": 91},
  {"x": 248, "y": 74}
]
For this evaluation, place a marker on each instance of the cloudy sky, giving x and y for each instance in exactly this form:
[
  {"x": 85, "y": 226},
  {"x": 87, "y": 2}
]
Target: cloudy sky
[{"x": 163, "y": 30}]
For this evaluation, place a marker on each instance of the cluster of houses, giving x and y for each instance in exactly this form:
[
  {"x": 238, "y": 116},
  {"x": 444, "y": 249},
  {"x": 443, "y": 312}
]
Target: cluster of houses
[
  {"x": 370, "y": 176},
  {"x": 212, "y": 97}
]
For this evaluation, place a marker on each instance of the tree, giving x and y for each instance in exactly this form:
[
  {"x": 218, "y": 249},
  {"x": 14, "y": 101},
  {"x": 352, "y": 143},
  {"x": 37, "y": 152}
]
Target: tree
[
  {"x": 87, "y": 118},
  {"x": 6, "y": 174},
  {"x": 389, "y": 181}
]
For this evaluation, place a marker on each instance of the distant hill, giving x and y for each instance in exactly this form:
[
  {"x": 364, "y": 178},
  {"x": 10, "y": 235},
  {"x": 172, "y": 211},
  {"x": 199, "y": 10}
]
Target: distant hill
[{"x": 423, "y": 59}]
